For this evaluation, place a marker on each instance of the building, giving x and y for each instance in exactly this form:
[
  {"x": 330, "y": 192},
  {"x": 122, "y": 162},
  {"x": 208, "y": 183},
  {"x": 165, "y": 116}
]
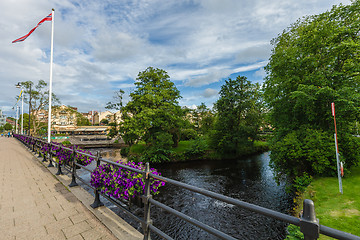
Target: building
[
  {"x": 64, "y": 116},
  {"x": 2, "y": 118},
  {"x": 106, "y": 115},
  {"x": 93, "y": 117}
]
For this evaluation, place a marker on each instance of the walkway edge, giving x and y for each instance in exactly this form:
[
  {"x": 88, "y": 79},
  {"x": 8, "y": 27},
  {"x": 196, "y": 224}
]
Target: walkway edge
[{"x": 121, "y": 229}]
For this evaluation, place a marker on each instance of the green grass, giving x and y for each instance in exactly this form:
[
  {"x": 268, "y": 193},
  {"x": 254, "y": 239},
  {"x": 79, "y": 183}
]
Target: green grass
[
  {"x": 336, "y": 210},
  {"x": 183, "y": 146}
]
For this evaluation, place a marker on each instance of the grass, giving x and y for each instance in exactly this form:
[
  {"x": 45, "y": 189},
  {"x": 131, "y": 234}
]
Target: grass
[{"x": 336, "y": 210}]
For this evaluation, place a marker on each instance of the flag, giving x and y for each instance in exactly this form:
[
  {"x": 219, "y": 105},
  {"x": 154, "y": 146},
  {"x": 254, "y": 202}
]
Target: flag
[{"x": 47, "y": 18}]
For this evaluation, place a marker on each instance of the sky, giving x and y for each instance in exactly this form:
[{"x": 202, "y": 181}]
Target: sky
[{"x": 101, "y": 46}]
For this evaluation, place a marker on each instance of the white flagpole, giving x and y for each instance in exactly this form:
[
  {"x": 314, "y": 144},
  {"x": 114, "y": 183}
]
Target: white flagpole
[
  {"x": 22, "y": 111},
  {"x": 51, "y": 70}
]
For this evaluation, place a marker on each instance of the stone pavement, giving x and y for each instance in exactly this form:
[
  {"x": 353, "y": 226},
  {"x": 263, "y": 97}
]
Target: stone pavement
[{"x": 36, "y": 205}]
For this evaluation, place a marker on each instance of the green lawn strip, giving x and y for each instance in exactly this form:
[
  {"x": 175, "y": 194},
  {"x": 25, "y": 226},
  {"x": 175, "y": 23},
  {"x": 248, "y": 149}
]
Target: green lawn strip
[{"x": 336, "y": 210}]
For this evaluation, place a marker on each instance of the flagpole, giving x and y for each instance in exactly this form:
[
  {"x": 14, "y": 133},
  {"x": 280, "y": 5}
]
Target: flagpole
[{"x": 51, "y": 71}]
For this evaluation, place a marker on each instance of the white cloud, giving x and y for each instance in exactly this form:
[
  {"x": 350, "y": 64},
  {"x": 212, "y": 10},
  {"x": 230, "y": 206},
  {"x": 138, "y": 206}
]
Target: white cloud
[
  {"x": 198, "y": 42},
  {"x": 209, "y": 92}
]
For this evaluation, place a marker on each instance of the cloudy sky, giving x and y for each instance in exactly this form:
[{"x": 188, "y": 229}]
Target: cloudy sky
[{"x": 101, "y": 46}]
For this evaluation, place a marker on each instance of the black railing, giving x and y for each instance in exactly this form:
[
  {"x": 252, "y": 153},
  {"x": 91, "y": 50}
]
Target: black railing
[{"x": 309, "y": 224}]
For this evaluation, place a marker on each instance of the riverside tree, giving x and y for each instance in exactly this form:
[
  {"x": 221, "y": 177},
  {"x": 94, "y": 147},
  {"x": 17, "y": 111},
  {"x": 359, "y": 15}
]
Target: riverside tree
[
  {"x": 238, "y": 117},
  {"x": 315, "y": 62},
  {"x": 39, "y": 101},
  {"x": 153, "y": 114}
]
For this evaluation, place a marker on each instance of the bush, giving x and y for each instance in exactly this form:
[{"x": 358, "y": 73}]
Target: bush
[
  {"x": 125, "y": 151},
  {"x": 188, "y": 134},
  {"x": 294, "y": 233},
  {"x": 301, "y": 182},
  {"x": 66, "y": 142},
  {"x": 196, "y": 149}
]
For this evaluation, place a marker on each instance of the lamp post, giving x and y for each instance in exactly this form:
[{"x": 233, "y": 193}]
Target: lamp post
[{"x": 22, "y": 107}]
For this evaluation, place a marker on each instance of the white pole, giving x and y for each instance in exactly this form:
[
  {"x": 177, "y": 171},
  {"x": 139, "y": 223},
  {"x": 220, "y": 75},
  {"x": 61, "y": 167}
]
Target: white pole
[
  {"x": 338, "y": 164},
  {"x": 51, "y": 69},
  {"x": 16, "y": 122},
  {"x": 22, "y": 111}
]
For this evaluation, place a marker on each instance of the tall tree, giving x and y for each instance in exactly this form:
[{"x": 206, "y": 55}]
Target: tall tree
[
  {"x": 153, "y": 114},
  {"x": 39, "y": 100},
  {"x": 314, "y": 62},
  {"x": 238, "y": 115}
]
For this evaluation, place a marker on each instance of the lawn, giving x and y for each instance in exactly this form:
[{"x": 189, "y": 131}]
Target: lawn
[{"x": 336, "y": 210}]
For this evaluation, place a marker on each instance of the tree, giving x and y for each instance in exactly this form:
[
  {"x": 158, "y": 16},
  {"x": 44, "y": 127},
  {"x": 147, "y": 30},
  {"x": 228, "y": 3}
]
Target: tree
[
  {"x": 315, "y": 62},
  {"x": 153, "y": 114},
  {"x": 117, "y": 104},
  {"x": 8, "y": 126},
  {"x": 238, "y": 116},
  {"x": 39, "y": 100}
]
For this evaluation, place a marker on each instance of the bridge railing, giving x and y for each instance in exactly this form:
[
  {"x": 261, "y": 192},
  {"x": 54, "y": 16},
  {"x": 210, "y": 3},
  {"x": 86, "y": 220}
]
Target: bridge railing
[{"x": 309, "y": 224}]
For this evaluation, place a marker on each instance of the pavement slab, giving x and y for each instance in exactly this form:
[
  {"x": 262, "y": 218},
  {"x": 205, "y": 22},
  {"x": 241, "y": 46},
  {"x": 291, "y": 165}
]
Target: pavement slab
[{"x": 36, "y": 205}]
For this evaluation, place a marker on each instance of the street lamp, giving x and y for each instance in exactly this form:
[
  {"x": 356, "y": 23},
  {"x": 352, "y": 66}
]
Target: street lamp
[{"x": 18, "y": 85}]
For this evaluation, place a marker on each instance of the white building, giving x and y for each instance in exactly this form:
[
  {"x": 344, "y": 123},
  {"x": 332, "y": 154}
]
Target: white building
[{"x": 2, "y": 118}]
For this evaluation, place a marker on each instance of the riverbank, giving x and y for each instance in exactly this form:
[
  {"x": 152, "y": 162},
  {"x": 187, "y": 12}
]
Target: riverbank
[
  {"x": 197, "y": 150},
  {"x": 336, "y": 210}
]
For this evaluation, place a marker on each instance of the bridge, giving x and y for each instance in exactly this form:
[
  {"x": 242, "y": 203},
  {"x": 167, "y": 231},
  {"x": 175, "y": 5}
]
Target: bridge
[{"x": 36, "y": 205}]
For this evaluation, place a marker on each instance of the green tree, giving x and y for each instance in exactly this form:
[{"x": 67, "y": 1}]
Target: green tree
[
  {"x": 8, "y": 126},
  {"x": 314, "y": 62},
  {"x": 39, "y": 101},
  {"x": 238, "y": 116},
  {"x": 116, "y": 104},
  {"x": 153, "y": 114}
]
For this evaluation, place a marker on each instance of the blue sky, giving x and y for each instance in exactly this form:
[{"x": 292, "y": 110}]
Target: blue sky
[{"x": 101, "y": 46}]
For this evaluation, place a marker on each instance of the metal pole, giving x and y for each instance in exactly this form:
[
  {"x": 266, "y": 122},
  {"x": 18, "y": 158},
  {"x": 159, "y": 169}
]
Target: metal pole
[
  {"x": 51, "y": 70},
  {"x": 146, "y": 197},
  {"x": 97, "y": 203},
  {"x": 22, "y": 112},
  {"x": 16, "y": 122},
  {"x": 337, "y": 149},
  {"x": 29, "y": 109},
  {"x": 309, "y": 224},
  {"x": 73, "y": 173}
]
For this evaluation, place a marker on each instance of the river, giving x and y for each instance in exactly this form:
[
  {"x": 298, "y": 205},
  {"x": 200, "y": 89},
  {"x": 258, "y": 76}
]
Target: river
[{"x": 249, "y": 179}]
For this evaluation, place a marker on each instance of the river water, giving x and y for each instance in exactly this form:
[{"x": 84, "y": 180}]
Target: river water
[{"x": 249, "y": 179}]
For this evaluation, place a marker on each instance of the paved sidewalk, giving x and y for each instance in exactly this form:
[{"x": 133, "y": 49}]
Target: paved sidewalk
[{"x": 35, "y": 205}]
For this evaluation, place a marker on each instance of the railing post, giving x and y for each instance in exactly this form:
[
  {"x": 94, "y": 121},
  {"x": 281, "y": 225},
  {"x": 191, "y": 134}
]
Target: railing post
[
  {"x": 309, "y": 224},
  {"x": 73, "y": 173},
  {"x": 59, "y": 172},
  {"x": 97, "y": 203},
  {"x": 145, "y": 198},
  {"x": 50, "y": 156}
]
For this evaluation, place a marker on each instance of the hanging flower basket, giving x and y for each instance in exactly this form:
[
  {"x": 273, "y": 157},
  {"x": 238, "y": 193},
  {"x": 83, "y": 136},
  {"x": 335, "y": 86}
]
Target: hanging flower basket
[{"x": 123, "y": 184}]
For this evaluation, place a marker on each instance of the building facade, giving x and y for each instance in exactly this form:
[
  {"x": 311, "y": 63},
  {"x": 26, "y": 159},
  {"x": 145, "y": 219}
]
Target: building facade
[{"x": 2, "y": 118}]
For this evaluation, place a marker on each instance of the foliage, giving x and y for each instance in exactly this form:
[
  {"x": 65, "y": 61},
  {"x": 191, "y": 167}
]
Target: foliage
[
  {"x": 122, "y": 183},
  {"x": 315, "y": 62},
  {"x": 238, "y": 116},
  {"x": 188, "y": 134},
  {"x": 8, "y": 126},
  {"x": 153, "y": 114},
  {"x": 117, "y": 103},
  {"x": 125, "y": 151},
  {"x": 294, "y": 233},
  {"x": 82, "y": 121},
  {"x": 196, "y": 149},
  {"x": 66, "y": 142},
  {"x": 39, "y": 101}
]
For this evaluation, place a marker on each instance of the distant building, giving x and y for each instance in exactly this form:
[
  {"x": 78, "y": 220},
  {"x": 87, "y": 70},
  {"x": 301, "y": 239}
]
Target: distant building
[
  {"x": 2, "y": 118},
  {"x": 106, "y": 115},
  {"x": 93, "y": 117},
  {"x": 64, "y": 116}
]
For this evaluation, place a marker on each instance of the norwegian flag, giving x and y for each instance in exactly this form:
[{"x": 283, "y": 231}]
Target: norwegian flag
[{"x": 47, "y": 18}]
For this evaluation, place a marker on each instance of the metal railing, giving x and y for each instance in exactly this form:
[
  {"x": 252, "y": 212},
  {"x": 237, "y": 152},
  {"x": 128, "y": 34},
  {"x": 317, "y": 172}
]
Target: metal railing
[{"x": 309, "y": 224}]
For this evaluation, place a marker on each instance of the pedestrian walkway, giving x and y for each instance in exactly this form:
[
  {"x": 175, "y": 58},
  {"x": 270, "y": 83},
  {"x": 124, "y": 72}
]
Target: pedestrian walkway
[{"x": 36, "y": 205}]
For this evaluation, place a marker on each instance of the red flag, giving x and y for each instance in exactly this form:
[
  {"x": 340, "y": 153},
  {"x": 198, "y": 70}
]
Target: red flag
[{"x": 47, "y": 18}]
